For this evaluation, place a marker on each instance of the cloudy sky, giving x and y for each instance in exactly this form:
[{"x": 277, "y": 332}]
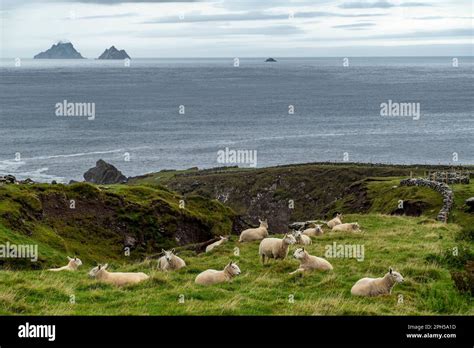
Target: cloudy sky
[{"x": 239, "y": 28}]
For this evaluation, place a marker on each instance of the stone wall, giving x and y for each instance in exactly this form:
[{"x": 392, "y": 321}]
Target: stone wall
[
  {"x": 451, "y": 177},
  {"x": 440, "y": 187}
]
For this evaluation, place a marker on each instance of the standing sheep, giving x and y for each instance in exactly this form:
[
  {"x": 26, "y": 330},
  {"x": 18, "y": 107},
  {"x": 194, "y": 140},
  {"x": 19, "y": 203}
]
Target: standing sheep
[
  {"x": 211, "y": 276},
  {"x": 73, "y": 265},
  {"x": 351, "y": 227},
  {"x": 313, "y": 232},
  {"x": 210, "y": 247},
  {"x": 301, "y": 238},
  {"x": 258, "y": 233},
  {"x": 336, "y": 221},
  {"x": 377, "y": 286},
  {"x": 274, "y": 248},
  {"x": 116, "y": 278},
  {"x": 170, "y": 261},
  {"x": 309, "y": 262}
]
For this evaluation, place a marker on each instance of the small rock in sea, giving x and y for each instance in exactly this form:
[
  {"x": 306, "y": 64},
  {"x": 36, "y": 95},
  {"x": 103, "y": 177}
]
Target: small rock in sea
[
  {"x": 104, "y": 174},
  {"x": 270, "y": 60}
]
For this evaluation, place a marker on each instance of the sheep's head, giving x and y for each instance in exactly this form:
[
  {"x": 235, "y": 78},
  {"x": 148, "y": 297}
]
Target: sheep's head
[
  {"x": 168, "y": 254},
  {"x": 355, "y": 226},
  {"x": 396, "y": 277},
  {"x": 339, "y": 215},
  {"x": 224, "y": 238},
  {"x": 296, "y": 234},
  {"x": 263, "y": 223},
  {"x": 319, "y": 228},
  {"x": 299, "y": 253},
  {"x": 232, "y": 268},
  {"x": 96, "y": 270},
  {"x": 75, "y": 260},
  {"x": 289, "y": 239}
]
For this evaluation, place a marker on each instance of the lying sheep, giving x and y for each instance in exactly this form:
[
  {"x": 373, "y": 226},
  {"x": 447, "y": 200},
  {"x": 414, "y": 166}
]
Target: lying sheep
[
  {"x": 211, "y": 276},
  {"x": 274, "y": 248},
  {"x": 170, "y": 261},
  {"x": 116, "y": 278},
  {"x": 351, "y": 227},
  {"x": 377, "y": 286},
  {"x": 73, "y": 265},
  {"x": 252, "y": 234},
  {"x": 309, "y": 262},
  {"x": 314, "y": 231},
  {"x": 336, "y": 221},
  {"x": 222, "y": 240},
  {"x": 301, "y": 238}
]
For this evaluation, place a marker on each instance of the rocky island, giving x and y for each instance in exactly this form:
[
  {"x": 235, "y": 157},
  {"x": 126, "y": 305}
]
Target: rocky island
[
  {"x": 113, "y": 53},
  {"x": 270, "y": 60},
  {"x": 61, "y": 50}
]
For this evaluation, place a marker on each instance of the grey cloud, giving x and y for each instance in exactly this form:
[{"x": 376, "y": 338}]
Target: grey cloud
[
  {"x": 354, "y": 26},
  {"x": 379, "y": 4}
]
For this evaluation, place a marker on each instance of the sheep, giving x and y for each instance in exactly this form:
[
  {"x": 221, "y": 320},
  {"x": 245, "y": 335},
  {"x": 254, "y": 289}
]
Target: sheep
[
  {"x": 301, "y": 238},
  {"x": 211, "y": 276},
  {"x": 352, "y": 227},
  {"x": 222, "y": 240},
  {"x": 73, "y": 265},
  {"x": 313, "y": 232},
  {"x": 336, "y": 221},
  {"x": 275, "y": 248},
  {"x": 309, "y": 262},
  {"x": 116, "y": 278},
  {"x": 377, "y": 286},
  {"x": 170, "y": 261},
  {"x": 258, "y": 233}
]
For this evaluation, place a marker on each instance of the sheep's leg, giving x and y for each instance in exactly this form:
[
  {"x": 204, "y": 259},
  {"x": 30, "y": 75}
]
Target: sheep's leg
[
  {"x": 262, "y": 258},
  {"x": 298, "y": 270}
]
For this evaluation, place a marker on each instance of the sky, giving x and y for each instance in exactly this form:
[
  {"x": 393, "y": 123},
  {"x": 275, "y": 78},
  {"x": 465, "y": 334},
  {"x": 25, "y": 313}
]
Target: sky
[{"x": 239, "y": 28}]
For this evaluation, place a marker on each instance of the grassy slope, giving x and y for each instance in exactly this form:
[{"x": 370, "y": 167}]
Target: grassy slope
[{"x": 404, "y": 243}]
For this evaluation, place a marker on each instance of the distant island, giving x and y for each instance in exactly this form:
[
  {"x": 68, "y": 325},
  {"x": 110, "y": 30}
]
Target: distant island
[
  {"x": 113, "y": 53},
  {"x": 62, "y": 50},
  {"x": 270, "y": 60}
]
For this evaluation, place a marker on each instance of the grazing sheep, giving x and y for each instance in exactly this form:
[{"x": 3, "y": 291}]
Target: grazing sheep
[
  {"x": 336, "y": 221},
  {"x": 274, "y": 248},
  {"x": 309, "y": 262},
  {"x": 301, "y": 238},
  {"x": 377, "y": 286},
  {"x": 252, "y": 234},
  {"x": 313, "y": 232},
  {"x": 352, "y": 227},
  {"x": 210, "y": 247},
  {"x": 211, "y": 276},
  {"x": 116, "y": 278},
  {"x": 170, "y": 261},
  {"x": 73, "y": 265}
]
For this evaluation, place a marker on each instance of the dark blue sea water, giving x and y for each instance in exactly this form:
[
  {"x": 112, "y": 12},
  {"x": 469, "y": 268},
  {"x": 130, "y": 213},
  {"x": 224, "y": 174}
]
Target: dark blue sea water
[{"x": 336, "y": 113}]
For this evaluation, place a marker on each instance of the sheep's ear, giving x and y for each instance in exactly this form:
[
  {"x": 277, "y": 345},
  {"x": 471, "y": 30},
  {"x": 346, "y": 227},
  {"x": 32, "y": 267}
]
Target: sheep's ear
[
  {"x": 105, "y": 266},
  {"x": 100, "y": 266},
  {"x": 303, "y": 248},
  {"x": 69, "y": 258},
  {"x": 172, "y": 250},
  {"x": 260, "y": 221},
  {"x": 390, "y": 270},
  {"x": 163, "y": 251}
]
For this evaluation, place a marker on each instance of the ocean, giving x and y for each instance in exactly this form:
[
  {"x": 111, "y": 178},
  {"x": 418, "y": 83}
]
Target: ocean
[{"x": 178, "y": 113}]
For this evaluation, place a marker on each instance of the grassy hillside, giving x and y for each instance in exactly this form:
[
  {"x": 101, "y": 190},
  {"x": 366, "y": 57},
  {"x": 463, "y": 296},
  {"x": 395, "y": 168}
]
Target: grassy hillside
[
  {"x": 410, "y": 245},
  {"x": 95, "y": 222}
]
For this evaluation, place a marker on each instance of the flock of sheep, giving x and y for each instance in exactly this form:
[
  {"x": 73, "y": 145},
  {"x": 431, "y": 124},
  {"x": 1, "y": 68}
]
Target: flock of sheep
[{"x": 270, "y": 248}]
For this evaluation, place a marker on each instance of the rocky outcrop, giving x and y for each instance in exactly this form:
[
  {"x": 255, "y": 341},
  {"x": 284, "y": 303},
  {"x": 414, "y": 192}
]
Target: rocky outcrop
[
  {"x": 104, "y": 174},
  {"x": 62, "y": 50},
  {"x": 441, "y": 188},
  {"x": 470, "y": 204},
  {"x": 8, "y": 179},
  {"x": 113, "y": 53}
]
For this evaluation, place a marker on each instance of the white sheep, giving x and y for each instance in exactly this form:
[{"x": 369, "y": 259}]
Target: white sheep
[
  {"x": 301, "y": 238},
  {"x": 309, "y": 262},
  {"x": 116, "y": 278},
  {"x": 258, "y": 233},
  {"x": 222, "y": 240},
  {"x": 350, "y": 227},
  {"x": 274, "y": 248},
  {"x": 170, "y": 261},
  {"x": 377, "y": 286},
  {"x": 336, "y": 221},
  {"x": 314, "y": 231},
  {"x": 211, "y": 276},
  {"x": 72, "y": 265}
]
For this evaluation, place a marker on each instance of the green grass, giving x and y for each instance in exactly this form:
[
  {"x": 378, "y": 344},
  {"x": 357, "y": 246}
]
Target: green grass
[{"x": 407, "y": 244}]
